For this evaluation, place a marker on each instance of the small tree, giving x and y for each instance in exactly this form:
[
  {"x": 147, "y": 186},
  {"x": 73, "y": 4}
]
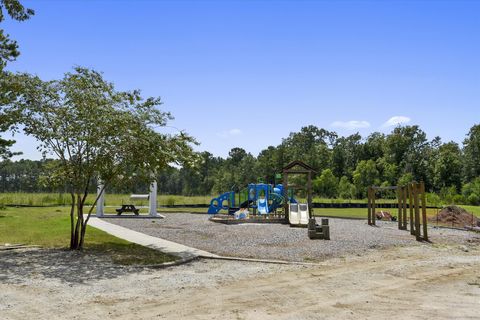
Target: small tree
[
  {"x": 326, "y": 184},
  {"x": 95, "y": 132},
  {"x": 365, "y": 175},
  {"x": 346, "y": 189}
]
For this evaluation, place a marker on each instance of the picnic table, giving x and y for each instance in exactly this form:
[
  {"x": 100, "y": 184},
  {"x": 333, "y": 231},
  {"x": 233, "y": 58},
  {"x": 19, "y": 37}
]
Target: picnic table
[{"x": 127, "y": 208}]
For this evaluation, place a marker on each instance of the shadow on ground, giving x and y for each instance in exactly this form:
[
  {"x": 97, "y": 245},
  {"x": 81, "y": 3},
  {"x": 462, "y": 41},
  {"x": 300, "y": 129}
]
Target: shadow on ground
[{"x": 59, "y": 264}]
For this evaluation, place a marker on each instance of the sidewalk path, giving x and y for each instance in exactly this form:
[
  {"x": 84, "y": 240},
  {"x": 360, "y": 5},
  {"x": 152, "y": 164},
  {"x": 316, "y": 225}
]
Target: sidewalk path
[{"x": 173, "y": 248}]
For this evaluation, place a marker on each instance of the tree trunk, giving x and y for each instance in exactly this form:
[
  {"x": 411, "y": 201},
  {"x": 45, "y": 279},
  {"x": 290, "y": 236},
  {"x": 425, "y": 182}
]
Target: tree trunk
[
  {"x": 72, "y": 222},
  {"x": 78, "y": 225}
]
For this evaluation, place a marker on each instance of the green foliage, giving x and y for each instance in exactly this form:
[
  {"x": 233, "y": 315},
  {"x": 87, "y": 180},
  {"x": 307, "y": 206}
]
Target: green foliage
[
  {"x": 433, "y": 199},
  {"x": 96, "y": 132},
  {"x": 448, "y": 195},
  {"x": 471, "y": 191},
  {"x": 365, "y": 175},
  {"x": 471, "y": 147},
  {"x": 405, "y": 179},
  {"x": 8, "y": 47},
  {"x": 346, "y": 189},
  {"x": 448, "y": 166},
  {"x": 326, "y": 184}
]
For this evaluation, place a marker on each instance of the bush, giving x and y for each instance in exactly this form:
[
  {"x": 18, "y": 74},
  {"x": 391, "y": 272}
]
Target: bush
[
  {"x": 433, "y": 199},
  {"x": 473, "y": 199},
  {"x": 458, "y": 199}
]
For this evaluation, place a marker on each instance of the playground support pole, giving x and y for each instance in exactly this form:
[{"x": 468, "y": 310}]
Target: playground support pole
[
  {"x": 152, "y": 208},
  {"x": 424, "y": 211},
  {"x": 101, "y": 199},
  {"x": 410, "y": 206},
  {"x": 369, "y": 196},
  {"x": 417, "y": 211}
]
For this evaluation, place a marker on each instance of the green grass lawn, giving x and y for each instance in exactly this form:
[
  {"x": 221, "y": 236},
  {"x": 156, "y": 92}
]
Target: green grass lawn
[
  {"x": 54, "y": 199},
  {"x": 50, "y": 228}
]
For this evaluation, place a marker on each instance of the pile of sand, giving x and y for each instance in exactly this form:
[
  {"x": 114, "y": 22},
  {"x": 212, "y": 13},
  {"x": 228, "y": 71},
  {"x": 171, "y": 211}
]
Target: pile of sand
[
  {"x": 385, "y": 215},
  {"x": 458, "y": 216}
]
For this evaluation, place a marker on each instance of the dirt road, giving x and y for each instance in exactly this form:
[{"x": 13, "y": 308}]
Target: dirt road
[{"x": 421, "y": 282}]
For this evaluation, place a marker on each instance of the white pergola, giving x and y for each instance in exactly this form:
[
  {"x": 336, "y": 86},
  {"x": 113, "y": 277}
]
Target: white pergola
[{"x": 152, "y": 200}]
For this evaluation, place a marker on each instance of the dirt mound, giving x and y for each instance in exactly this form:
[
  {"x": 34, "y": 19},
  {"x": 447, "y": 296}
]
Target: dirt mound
[
  {"x": 456, "y": 216},
  {"x": 385, "y": 215}
]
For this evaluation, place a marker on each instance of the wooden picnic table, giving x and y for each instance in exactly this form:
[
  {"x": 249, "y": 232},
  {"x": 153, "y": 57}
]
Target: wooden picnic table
[{"x": 127, "y": 208}]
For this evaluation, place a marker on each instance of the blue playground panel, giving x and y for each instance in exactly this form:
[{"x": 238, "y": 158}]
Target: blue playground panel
[
  {"x": 264, "y": 197},
  {"x": 217, "y": 203}
]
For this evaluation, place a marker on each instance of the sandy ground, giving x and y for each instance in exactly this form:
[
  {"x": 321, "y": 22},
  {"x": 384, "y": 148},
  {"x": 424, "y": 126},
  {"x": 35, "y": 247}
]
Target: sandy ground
[{"x": 423, "y": 282}]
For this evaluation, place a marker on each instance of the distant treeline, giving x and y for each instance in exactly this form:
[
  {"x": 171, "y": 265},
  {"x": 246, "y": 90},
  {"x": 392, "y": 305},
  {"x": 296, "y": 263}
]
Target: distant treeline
[{"x": 345, "y": 166}]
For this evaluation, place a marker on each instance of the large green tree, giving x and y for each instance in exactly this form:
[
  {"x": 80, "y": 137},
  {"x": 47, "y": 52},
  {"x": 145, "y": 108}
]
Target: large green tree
[
  {"x": 448, "y": 166},
  {"x": 8, "y": 47},
  {"x": 471, "y": 149},
  {"x": 8, "y": 52},
  {"x": 365, "y": 175},
  {"x": 96, "y": 132}
]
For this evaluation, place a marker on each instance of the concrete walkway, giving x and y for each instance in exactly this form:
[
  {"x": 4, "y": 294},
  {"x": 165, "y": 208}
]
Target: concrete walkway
[{"x": 173, "y": 248}]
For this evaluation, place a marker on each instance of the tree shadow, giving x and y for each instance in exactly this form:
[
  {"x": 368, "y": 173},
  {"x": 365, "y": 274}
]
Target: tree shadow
[{"x": 60, "y": 264}]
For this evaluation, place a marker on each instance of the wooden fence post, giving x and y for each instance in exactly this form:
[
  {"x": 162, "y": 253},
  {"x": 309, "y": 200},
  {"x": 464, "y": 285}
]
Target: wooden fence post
[
  {"x": 424, "y": 211},
  {"x": 400, "y": 205},
  {"x": 410, "y": 206},
  {"x": 404, "y": 194},
  {"x": 369, "y": 196},
  {"x": 417, "y": 210},
  {"x": 374, "y": 216}
]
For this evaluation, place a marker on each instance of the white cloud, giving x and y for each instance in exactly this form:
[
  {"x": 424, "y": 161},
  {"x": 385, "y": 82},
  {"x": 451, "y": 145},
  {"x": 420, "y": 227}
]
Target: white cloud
[
  {"x": 230, "y": 133},
  {"x": 395, "y": 121},
  {"x": 235, "y": 132},
  {"x": 351, "y": 125}
]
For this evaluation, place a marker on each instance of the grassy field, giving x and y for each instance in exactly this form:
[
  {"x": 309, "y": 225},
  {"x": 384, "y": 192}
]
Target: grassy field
[
  {"x": 50, "y": 228},
  {"x": 357, "y": 212},
  {"x": 54, "y": 199}
]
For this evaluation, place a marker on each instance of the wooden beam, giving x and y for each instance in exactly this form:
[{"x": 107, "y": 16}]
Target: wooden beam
[
  {"x": 417, "y": 210},
  {"x": 405, "y": 195},
  {"x": 424, "y": 210},
  {"x": 369, "y": 206},
  {"x": 410, "y": 206},
  {"x": 400, "y": 205}
]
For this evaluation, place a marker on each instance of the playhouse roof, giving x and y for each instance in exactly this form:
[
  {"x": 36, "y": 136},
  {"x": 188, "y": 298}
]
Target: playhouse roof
[{"x": 298, "y": 163}]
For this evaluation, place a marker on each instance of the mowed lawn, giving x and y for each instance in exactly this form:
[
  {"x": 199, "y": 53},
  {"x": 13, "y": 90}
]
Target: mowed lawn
[{"x": 50, "y": 228}]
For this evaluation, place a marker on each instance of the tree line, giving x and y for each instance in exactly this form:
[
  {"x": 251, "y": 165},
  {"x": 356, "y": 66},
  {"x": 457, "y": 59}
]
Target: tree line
[{"x": 345, "y": 166}]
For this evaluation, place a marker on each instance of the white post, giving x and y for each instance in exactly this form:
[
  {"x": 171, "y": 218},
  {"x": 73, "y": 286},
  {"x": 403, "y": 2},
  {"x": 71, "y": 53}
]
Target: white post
[
  {"x": 152, "y": 211},
  {"x": 101, "y": 199}
]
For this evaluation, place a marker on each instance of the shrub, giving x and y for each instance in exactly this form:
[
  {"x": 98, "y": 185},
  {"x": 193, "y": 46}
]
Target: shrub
[{"x": 473, "y": 199}]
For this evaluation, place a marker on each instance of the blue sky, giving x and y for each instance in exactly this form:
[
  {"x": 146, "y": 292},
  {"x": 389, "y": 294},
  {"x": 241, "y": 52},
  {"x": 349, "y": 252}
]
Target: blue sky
[{"x": 247, "y": 73}]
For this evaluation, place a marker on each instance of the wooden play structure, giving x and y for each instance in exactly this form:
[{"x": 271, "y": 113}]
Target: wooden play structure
[
  {"x": 300, "y": 214},
  {"x": 410, "y": 198},
  {"x": 297, "y": 167}
]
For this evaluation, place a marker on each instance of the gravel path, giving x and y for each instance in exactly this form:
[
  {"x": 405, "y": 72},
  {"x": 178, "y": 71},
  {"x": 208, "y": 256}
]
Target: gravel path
[{"x": 277, "y": 241}]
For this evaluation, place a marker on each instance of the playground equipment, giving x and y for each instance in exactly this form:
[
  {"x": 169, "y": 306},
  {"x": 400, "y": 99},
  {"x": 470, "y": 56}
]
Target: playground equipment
[
  {"x": 414, "y": 193},
  {"x": 262, "y": 198},
  {"x": 316, "y": 231},
  {"x": 298, "y": 215}
]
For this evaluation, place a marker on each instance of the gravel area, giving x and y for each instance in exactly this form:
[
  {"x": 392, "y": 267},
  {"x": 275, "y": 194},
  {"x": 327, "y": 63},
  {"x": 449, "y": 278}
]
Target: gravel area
[{"x": 278, "y": 241}]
